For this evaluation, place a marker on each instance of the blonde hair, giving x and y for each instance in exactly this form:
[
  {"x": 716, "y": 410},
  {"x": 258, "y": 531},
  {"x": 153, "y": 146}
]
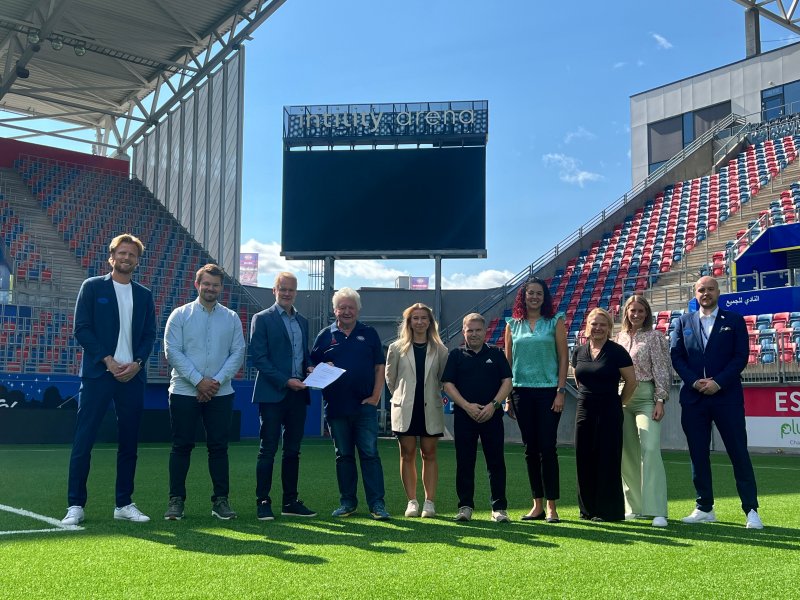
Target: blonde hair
[
  {"x": 473, "y": 317},
  {"x": 126, "y": 238},
  {"x": 647, "y": 324},
  {"x": 593, "y": 313},
  {"x": 405, "y": 334},
  {"x": 284, "y": 275}
]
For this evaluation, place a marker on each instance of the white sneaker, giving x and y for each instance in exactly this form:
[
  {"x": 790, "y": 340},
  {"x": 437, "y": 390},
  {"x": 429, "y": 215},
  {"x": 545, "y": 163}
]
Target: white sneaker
[
  {"x": 74, "y": 516},
  {"x": 412, "y": 510},
  {"x": 632, "y": 516},
  {"x": 660, "y": 522},
  {"x": 464, "y": 514},
  {"x": 699, "y": 516},
  {"x": 753, "y": 521},
  {"x": 500, "y": 516},
  {"x": 428, "y": 509},
  {"x": 130, "y": 513}
]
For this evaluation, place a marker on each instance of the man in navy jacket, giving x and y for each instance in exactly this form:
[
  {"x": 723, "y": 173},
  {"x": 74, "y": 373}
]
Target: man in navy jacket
[
  {"x": 709, "y": 350},
  {"x": 279, "y": 351},
  {"x": 115, "y": 323}
]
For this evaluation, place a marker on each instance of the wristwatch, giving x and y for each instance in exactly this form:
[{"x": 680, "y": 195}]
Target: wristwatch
[
  {"x": 497, "y": 405},
  {"x": 138, "y": 361},
  {"x": 562, "y": 390}
]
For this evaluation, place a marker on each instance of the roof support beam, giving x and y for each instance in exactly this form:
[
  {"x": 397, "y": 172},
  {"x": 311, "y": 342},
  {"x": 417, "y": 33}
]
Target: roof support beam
[
  {"x": 263, "y": 12},
  {"x": 47, "y": 27},
  {"x": 58, "y": 135}
]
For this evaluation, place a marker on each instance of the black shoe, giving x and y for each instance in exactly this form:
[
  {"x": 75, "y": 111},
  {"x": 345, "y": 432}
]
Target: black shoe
[
  {"x": 222, "y": 510},
  {"x": 174, "y": 509},
  {"x": 297, "y": 509},
  {"x": 264, "y": 511}
]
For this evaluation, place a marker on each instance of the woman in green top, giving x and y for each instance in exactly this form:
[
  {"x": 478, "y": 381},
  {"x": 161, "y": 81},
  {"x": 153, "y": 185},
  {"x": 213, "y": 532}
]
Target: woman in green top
[{"x": 536, "y": 348}]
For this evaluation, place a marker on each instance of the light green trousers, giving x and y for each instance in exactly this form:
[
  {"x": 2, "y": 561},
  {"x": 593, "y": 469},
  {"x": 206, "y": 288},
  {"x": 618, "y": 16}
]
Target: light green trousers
[{"x": 644, "y": 481}]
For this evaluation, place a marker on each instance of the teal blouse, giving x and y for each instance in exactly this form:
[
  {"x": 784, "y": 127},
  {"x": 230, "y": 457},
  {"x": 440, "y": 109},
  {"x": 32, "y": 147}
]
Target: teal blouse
[{"x": 534, "y": 357}]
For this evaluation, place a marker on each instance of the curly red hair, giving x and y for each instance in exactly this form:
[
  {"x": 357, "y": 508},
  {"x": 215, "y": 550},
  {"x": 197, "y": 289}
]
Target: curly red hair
[{"x": 520, "y": 310}]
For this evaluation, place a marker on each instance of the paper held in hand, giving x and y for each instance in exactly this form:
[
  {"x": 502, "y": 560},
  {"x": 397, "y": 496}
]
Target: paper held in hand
[{"x": 323, "y": 375}]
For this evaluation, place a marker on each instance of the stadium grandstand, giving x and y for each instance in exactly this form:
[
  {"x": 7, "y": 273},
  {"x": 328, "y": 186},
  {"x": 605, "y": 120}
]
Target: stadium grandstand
[{"x": 705, "y": 206}]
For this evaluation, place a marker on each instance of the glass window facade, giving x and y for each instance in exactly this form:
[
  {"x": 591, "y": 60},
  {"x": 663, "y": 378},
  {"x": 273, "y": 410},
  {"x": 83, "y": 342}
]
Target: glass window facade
[{"x": 668, "y": 137}]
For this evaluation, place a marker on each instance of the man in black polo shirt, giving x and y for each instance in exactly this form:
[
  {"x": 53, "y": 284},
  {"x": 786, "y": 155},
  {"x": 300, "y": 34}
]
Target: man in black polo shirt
[{"x": 477, "y": 378}]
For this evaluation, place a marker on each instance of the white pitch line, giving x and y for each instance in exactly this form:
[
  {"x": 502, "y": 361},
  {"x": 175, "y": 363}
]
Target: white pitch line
[
  {"x": 45, "y": 519},
  {"x": 55, "y": 529}
]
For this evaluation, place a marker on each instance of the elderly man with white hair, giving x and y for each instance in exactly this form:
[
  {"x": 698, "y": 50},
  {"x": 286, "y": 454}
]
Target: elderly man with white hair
[{"x": 350, "y": 403}]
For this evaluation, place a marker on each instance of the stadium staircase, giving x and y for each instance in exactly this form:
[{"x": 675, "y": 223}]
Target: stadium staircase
[{"x": 57, "y": 281}]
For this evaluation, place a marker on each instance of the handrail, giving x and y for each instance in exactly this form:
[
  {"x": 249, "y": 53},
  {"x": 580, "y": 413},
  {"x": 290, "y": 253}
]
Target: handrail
[{"x": 500, "y": 293}]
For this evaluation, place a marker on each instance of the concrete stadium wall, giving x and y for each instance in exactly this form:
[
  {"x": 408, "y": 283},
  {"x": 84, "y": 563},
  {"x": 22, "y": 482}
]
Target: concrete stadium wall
[{"x": 740, "y": 83}]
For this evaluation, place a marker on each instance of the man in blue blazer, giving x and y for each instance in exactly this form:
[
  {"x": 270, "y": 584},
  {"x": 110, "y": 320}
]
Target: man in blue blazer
[
  {"x": 709, "y": 350},
  {"x": 279, "y": 351},
  {"x": 115, "y": 323}
]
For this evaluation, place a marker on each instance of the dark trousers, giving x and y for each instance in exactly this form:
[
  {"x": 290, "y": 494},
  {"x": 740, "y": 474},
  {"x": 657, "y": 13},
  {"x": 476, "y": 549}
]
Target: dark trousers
[
  {"x": 94, "y": 398},
  {"x": 696, "y": 419},
  {"x": 538, "y": 424},
  {"x": 598, "y": 458},
  {"x": 281, "y": 420},
  {"x": 358, "y": 431},
  {"x": 184, "y": 411},
  {"x": 466, "y": 433}
]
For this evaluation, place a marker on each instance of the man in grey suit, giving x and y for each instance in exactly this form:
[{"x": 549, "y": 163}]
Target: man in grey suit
[{"x": 279, "y": 350}]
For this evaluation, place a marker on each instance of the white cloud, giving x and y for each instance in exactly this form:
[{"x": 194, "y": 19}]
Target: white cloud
[
  {"x": 618, "y": 65},
  {"x": 364, "y": 272},
  {"x": 373, "y": 271},
  {"x": 480, "y": 281},
  {"x": 580, "y": 133},
  {"x": 569, "y": 170},
  {"x": 271, "y": 262},
  {"x": 662, "y": 42}
]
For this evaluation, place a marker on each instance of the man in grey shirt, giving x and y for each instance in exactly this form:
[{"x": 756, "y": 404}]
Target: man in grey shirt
[{"x": 205, "y": 346}]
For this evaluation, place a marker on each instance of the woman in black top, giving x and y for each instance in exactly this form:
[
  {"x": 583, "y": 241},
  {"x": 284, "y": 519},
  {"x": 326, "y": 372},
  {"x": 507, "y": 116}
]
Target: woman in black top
[{"x": 599, "y": 364}]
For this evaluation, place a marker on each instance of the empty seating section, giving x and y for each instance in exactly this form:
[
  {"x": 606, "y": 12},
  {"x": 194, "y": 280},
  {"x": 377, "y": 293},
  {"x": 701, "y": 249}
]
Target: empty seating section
[
  {"x": 24, "y": 256},
  {"x": 774, "y": 337},
  {"x": 36, "y": 340},
  {"x": 496, "y": 328},
  {"x": 659, "y": 234},
  {"x": 88, "y": 207}
]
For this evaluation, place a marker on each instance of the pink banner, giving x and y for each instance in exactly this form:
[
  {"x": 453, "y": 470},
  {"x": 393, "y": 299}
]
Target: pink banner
[{"x": 248, "y": 268}]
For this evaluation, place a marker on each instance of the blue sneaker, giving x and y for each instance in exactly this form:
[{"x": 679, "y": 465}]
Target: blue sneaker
[
  {"x": 379, "y": 512},
  {"x": 343, "y": 511}
]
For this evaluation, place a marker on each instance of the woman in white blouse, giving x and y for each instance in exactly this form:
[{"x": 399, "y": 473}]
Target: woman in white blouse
[{"x": 644, "y": 481}]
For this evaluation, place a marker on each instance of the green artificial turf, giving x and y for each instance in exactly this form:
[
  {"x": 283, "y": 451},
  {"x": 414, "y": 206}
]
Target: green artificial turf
[{"x": 323, "y": 557}]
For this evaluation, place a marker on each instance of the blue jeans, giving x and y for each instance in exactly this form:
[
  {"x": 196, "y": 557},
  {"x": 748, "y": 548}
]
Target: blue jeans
[{"x": 359, "y": 430}]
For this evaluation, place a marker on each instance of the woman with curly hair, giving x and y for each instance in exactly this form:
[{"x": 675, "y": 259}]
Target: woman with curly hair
[{"x": 536, "y": 348}]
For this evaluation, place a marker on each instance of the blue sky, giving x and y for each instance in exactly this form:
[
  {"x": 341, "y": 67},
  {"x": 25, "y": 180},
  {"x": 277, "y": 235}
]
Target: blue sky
[{"x": 558, "y": 77}]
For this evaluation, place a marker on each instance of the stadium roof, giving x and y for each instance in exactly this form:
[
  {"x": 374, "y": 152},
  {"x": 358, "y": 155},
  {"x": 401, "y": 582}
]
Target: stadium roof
[{"x": 113, "y": 67}]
